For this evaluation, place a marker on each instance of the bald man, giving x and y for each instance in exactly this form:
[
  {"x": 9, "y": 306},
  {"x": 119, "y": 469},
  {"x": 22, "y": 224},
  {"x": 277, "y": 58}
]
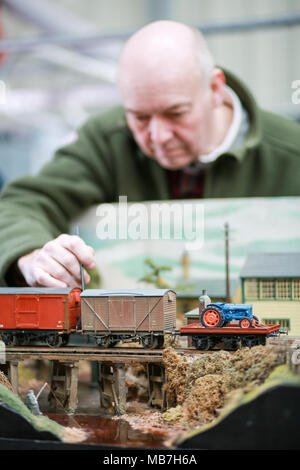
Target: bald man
[
  {"x": 186, "y": 129},
  {"x": 174, "y": 98}
]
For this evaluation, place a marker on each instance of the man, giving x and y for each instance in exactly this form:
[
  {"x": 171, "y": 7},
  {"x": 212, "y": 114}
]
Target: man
[{"x": 187, "y": 132}]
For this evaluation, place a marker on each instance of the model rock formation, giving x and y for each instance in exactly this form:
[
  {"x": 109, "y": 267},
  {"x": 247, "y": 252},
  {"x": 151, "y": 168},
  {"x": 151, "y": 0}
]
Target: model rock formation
[
  {"x": 4, "y": 381},
  {"x": 197, "y": 389}
]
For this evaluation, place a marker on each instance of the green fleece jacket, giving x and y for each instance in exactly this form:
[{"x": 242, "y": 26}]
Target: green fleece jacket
[{"x": 104, "y": 162}]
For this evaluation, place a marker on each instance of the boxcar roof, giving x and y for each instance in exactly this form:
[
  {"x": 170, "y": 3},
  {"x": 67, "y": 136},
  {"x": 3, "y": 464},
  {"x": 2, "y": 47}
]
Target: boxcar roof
[
  {"x": 124, "y": 292},
  {"x": 35, "y": 290}
]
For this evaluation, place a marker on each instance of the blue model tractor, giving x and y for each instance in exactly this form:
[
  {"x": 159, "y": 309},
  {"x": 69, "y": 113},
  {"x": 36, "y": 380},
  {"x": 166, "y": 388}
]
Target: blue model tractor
[{"x": 218, "y": 314}]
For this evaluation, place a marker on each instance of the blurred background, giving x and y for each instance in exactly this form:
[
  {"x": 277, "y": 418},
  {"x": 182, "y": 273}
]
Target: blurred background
[{"x": 58, "y": 61}]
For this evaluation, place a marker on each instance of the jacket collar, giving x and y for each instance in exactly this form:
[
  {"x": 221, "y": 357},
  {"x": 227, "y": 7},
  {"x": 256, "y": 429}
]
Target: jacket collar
[{"x": 254, "y": 135}]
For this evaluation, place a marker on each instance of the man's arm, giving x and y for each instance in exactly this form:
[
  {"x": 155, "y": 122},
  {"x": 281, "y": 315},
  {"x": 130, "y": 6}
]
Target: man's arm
[
  {"x": 36, "y": 210},
  {"x": 56, "y": 264}
]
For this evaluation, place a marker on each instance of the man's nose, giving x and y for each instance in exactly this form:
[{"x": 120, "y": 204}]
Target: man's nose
[{"x": 160, "y": 130}]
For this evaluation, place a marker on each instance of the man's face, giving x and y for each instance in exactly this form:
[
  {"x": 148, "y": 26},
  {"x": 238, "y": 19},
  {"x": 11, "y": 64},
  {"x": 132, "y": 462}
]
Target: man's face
[{"x": 171, "y": 120}]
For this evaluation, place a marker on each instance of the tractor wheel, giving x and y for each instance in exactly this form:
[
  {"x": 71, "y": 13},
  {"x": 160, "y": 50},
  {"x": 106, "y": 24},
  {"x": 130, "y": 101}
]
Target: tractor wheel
[
  {"x": 255, "y": 321},
  {"x": 212, "y": 317},
  {"x": 245, "y": 323}
]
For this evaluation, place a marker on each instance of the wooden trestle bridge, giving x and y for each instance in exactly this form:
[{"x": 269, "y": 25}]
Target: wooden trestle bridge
[{"x": 111, "y": 365}]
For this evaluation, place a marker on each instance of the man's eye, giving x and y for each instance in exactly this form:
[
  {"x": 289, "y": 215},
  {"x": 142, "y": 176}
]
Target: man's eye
[
  {"x": 141, "y": 118},
  {"x": 176, "y": 115}
]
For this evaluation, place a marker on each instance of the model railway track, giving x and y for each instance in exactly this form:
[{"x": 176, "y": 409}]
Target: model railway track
[
  {"x": 81, "y": 350},
  {"x": 79, "y": 354},
  {"x": 92, "y": 354},
  {"x": 123, "y": 354}
]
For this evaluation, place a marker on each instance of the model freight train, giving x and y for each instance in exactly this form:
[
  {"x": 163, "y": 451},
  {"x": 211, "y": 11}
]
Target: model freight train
[{"x": 51, "y": 315}]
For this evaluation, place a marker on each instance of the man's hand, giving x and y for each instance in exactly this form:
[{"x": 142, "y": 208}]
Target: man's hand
[{"x": 57, "y": 264}]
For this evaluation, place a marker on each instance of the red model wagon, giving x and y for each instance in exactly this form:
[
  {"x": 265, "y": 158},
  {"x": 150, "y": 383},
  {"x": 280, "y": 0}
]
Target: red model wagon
[{"x": 47, "y": 314}]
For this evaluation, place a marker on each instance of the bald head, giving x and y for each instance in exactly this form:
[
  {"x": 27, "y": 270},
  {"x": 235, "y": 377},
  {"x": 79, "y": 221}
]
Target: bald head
[
  {"x": 171, "y": 93},
  {"x": 164, "y": 48}
]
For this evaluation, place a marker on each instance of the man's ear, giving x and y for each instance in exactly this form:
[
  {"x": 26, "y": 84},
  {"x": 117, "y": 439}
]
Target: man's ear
[{"x": 217, "y": 86}]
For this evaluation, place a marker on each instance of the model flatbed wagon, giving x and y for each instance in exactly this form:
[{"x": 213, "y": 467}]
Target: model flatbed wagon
[{"x": 231, "y": 336}]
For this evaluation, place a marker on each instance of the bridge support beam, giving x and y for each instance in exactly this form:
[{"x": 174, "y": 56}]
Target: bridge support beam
[
  {"x": 64, "y": 385},
  {"x": 13, "y": 375},
  {"x": 112, "y": 386},
  {"x": 156, "y": 380}
]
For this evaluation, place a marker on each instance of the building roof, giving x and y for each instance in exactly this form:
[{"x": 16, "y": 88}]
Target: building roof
[
  {"x": 271, "y": 265},
  {"x": 192, "y": 313},
  {"x": 215, "y": 288}
]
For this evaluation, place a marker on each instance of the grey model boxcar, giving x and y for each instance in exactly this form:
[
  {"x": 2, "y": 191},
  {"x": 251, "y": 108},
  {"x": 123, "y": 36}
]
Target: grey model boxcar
[{"x": 128, "y": 315}]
